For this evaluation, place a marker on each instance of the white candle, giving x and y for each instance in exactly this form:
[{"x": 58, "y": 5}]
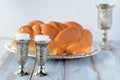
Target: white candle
[
  {"x": 22, "y": 36},
  {"x": 42, "y": 38}
]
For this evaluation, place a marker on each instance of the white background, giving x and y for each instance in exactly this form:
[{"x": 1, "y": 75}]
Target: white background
[{"x": 15, "y": 13}]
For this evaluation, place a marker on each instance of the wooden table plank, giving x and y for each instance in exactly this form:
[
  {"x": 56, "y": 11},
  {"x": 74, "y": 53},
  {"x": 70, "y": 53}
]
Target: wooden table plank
[
  {"x": 54, "y": 68},
  {"x": 3, "y": 53},
  {"x": 107, "y": 66},
  {"x": 80, "y": 69},
  {"x": 102, "y": 66},
  {"x": 11, "y": 66},
  {"x": 116, "y": 49}
]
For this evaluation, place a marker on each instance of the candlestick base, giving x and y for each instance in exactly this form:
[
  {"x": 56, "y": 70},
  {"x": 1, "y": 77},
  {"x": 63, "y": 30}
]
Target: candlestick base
[
  {"x": 106, "y": 47},
  {"x": 21, "y": 73},
  {"x": 41, "y": 72}
]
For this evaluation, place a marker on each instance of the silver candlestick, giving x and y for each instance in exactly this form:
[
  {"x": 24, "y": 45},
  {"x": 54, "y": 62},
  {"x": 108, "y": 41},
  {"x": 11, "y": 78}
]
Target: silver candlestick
[
  {"x": 22, "y": 55},
  {"x": 105, "y": 21},
  {"x": 41, "y": 55}
]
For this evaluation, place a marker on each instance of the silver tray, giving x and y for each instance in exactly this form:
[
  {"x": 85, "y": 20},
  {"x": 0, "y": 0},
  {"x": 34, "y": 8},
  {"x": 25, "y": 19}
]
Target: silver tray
[{"x": 94, "y": 50}]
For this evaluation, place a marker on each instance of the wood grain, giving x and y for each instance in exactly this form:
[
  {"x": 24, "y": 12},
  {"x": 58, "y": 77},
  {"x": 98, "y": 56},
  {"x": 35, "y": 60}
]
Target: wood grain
[
  {"x": 103, "y": 66},
  {"x": 55, "y": 70},
  {"x": 11, "y": 66},
  {"x": 80, "y": 69},
  {"x": 107, "y": 66}
]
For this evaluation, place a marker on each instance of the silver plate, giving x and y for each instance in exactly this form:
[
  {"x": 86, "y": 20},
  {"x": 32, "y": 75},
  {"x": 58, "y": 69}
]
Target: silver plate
[{"x": 94, "y": 50}]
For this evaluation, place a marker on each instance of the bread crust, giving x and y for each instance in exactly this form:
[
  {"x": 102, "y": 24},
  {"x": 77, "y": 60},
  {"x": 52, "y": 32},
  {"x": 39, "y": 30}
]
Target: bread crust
[{"x": 69, "y": 37}]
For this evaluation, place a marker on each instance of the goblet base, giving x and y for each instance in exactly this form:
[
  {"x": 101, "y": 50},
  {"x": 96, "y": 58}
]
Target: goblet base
[
  {"x": 21, "y": 73},
  {"x": 41, "y": 72},
  {"x": 106, "y": 47}
]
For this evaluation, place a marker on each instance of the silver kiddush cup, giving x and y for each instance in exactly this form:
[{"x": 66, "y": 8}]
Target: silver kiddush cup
[
  {"x": 105, "y": 21},
  {"x": 41, "y": 53},
  {"x": 22, "y": 41}
]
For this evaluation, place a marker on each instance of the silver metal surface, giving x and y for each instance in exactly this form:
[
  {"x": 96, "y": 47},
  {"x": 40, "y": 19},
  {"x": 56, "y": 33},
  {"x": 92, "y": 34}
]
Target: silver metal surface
[
  {"x": 41, "y": 56},
  {"x": 21, "y": 72},
  {"x": 105, "y": 21},
  {"x": 22, "y": 55},
  {"x": 41, "y": 72},
  {"x": 95, "y": 48}
]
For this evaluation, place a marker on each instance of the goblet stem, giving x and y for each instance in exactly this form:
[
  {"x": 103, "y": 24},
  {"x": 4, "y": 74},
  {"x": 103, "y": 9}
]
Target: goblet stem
[
  {"x": 105, "y": 45},
  {"x": 104, "y": 38},
  {"x": 21, "y": 69},
  {"x": 21, "y": 72},
  {"x": 41, "y": 72}
]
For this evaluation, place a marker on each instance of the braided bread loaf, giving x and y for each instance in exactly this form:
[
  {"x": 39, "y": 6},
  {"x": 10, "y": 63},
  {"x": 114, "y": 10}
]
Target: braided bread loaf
[{"x": 69, "y": 37}]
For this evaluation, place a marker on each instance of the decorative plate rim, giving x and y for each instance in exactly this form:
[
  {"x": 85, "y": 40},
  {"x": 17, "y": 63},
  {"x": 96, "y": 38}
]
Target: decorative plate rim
[{"x": 94, "y": 50}]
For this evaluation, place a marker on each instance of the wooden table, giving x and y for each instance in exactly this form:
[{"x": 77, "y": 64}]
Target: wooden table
[{"x": 103, "y": 66}]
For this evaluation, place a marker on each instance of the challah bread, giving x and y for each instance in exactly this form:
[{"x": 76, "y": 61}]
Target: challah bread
[
  {"x": 33, "y": 28},
  {"x": 83, "y": 45},
  {"x": 49, "y": 30},
  {"x": 35, "y": 22},
  {"x": 57, "y": 25},
  {"x": 69, "y": 37}
]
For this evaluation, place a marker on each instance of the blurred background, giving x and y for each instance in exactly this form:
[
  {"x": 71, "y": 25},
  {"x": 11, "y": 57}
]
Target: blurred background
[{"x": 15, "y": 13}]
